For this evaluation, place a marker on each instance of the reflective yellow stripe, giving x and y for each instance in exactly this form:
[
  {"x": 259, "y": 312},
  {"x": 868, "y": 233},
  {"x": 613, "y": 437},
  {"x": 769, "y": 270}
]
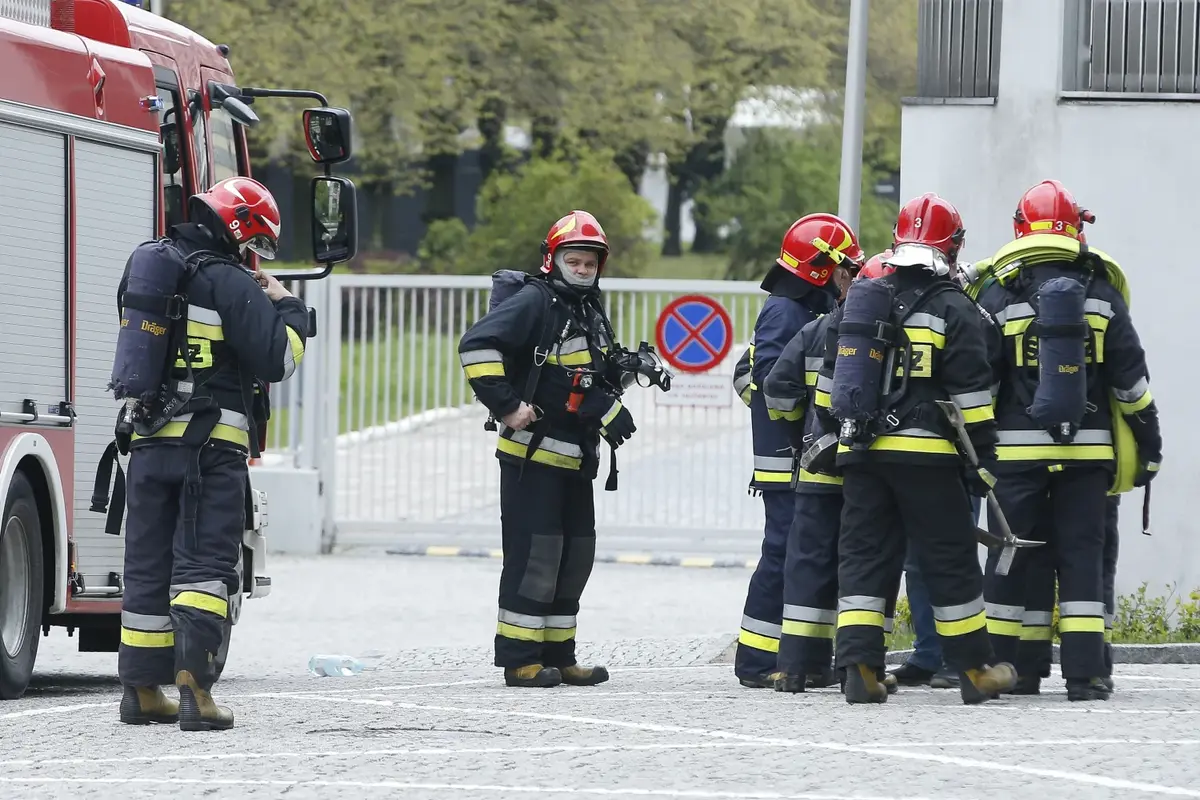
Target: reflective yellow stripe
[
  {"x": 813, "y": 630},
  {"x": 487, "y": 369},
  {"x": 202, "y": 601},
  {"x": 810, "y": 378},
  {"x": 582, "y": 358},
  {"x": 872, "y": 618},
  {"x": 559, "y": 634},
  {"x": 134, "y": 638},
  {"x": 523, "y": 634},
  {"x": 926, "y": 336},
  {"x": 794, "y": 415},
  {"x": 540, "y": 456},
  {"x": 909, "y": 444},
  {"x": 296, "y": 345},
  {"x": 823, "y": 399},
  {"x": 1137, "y": 405},
  {"x": 226, "y": 433},
  {"x": 961, "y": 627},
  {"x": 980, "y": 414},
  {"x": 203, "y": 330},
  {"x": 1004, "y": 627},
  {"x": 758, "y": 641},
  {"x": 1081, "y": 625},
  {"x": 816, "y": 477},
  {"x": 1034, "y": 633},
  {"x": 770, "y": 476},
  {"x": 1055, "y": 452}
]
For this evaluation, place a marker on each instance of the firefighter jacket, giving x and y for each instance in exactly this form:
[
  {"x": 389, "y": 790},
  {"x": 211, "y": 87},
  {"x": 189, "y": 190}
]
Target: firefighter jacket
[
  {"x": 792, "y": 305},
  {"x": 797, "y": 392},
  {"x": 945, "y": 347},
  {"x": 236, "y": 338},
  {"x": 554, "y": 329},
  {"x": 1118, "y": 380}
]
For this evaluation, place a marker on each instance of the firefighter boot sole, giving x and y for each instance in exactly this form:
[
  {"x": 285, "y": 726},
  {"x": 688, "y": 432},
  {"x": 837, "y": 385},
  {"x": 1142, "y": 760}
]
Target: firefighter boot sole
[
  {"x": 863, "y": 685},
  {"x": 980, "y": 685},
  {"x": 197, "y": 711},
  {"x": 145, "y": 706},
  {"x": 532, "y": 676}
]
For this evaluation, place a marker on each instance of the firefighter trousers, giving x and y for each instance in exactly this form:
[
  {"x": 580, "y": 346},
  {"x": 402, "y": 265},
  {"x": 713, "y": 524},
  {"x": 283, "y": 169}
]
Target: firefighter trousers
[
  {"x": 1034, "y": 654},
  {"x": 1066, "y": 508},
  {"x": 758, "y": 639},
  {"x": 883, "y": 505},
  {"x": 548, "y": 523},
  {"x": 810, "y": 585},
  {"x": 183, "y": 538}
]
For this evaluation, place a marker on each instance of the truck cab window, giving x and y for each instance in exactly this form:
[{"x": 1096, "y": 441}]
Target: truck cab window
[
  {"x": 200, "y": 144},
  {"x": 224, "y": 145},
  {"x": 174, "y": 185}
]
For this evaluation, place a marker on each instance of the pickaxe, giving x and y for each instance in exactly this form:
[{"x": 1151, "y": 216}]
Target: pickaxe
[{"x": 1009, "y": 541}]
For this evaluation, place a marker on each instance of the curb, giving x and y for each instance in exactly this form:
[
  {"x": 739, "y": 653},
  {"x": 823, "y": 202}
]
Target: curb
[{"x": 699, "y": 562}]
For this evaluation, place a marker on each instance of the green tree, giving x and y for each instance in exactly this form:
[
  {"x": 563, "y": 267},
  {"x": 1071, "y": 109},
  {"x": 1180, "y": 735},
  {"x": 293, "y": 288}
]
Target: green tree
[
  {"x": 517, "y": 209},
  {"x": 775, "y": 180}
]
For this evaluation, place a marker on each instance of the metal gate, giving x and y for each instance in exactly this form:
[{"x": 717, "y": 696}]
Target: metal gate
[{"x": 383, "y": 411}]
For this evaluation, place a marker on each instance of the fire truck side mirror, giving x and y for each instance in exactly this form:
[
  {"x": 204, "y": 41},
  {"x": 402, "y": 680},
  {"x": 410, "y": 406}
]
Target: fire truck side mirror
[
  {"x": 334, "y": 219},
  {"x": 327, "y": 132}
]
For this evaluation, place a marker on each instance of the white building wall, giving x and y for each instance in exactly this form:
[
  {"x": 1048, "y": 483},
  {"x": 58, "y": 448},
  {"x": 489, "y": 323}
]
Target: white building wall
[{"x": 1136, "y": 165}]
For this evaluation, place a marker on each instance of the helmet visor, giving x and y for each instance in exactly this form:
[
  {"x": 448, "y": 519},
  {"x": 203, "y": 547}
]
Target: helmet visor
[{"x": 262, "y": 247}]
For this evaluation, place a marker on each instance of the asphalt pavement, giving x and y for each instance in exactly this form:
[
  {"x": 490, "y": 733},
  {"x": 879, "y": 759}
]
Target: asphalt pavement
[{"x": 430, "y": 717}]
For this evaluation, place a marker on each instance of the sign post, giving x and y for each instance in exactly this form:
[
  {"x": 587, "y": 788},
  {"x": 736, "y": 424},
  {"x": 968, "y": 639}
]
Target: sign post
[{"x": 694, "y": 334}]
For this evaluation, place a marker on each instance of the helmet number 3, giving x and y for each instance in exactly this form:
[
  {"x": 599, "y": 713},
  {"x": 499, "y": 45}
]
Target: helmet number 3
[{"x": 917, "y": 222}]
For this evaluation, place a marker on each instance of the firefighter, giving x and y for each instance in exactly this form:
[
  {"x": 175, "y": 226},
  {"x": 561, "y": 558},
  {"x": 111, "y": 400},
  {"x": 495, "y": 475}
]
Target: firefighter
[
  {"x": 799, "y": 289},
  {"x": 187, "y": 479},
  {"x": 1069, "y": 344},
  {"x": 796, "y": 392},
  {"x": 551, "y": 422},
  {"x": 905, "y": 341}
]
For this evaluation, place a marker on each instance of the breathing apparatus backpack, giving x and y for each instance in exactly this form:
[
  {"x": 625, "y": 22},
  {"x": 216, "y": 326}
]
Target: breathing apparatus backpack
[
  {"x": 505, "y": 284},
  {"x": 153, "y": 334},
  {"x": 1059, "y": 400},
  {"x": 866, "y": 348}
]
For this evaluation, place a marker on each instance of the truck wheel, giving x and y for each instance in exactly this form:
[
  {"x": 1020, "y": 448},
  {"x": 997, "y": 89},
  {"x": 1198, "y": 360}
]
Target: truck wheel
[{"x": 21, "y": 602}]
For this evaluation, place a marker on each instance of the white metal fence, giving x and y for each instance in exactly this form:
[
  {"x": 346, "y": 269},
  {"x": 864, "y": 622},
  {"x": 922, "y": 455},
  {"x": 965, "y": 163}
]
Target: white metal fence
[{"x": 380, "y": 406}]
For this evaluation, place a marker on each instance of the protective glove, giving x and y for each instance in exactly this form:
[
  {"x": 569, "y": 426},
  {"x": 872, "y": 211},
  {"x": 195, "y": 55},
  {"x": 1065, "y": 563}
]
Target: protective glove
[
  {"x": 1146, "y": 473},
  {"x": 980, "y": 480},
  {"x": 615, "y": 421},
  {"x": 618, "y": 427}
]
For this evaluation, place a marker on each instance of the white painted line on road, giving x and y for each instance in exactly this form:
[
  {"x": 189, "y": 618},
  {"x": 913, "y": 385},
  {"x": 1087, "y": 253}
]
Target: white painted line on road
[
  {"x": 1074, "y": 777},
  {"x": 376, "y": 689},
  {"x": 400, "y": 751},
  {"x": 1038, "y": 743},
  {"x": 37, "y": 712},
  {"x": 548, "y": 791}
]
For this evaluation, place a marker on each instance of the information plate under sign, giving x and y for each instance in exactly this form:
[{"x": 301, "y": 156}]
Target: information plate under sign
[{"x": 715, "y": 391}]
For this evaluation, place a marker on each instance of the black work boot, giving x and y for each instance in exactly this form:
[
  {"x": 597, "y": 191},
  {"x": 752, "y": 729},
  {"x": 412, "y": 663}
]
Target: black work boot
[
  {"x": 197, "y": 711},
  {"x": 576, "y": 675},
  {"x": 863, "y": 685},
  {"x": 1028, "y": 684},
  {"x": 790, "y": 683},
  {"x": 533, "y": 676},
  {"x": 909, "y": 674},
  {"x": 945, "y": 678},
  {"x": 760, "y": 681},
  {"x": 986, "y": 683},
  {"x": 142, "y": 705},
  {"x": 821, "y": 680},
  {"x": 1087, "y": 689}
]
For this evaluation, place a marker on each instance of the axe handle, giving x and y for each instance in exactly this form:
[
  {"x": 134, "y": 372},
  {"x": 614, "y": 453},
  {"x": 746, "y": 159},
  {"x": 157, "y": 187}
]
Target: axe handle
[{"x": 1146, "y": 510}]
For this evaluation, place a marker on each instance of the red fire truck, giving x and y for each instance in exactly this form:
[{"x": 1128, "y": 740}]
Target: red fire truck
[{"x": 110, "y": 117}]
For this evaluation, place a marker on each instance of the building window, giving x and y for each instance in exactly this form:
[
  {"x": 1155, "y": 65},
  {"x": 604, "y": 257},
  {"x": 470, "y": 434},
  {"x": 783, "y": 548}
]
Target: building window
[
  {"x": 958, "y": 48},
  {"x": 1132, "y": 47}
]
